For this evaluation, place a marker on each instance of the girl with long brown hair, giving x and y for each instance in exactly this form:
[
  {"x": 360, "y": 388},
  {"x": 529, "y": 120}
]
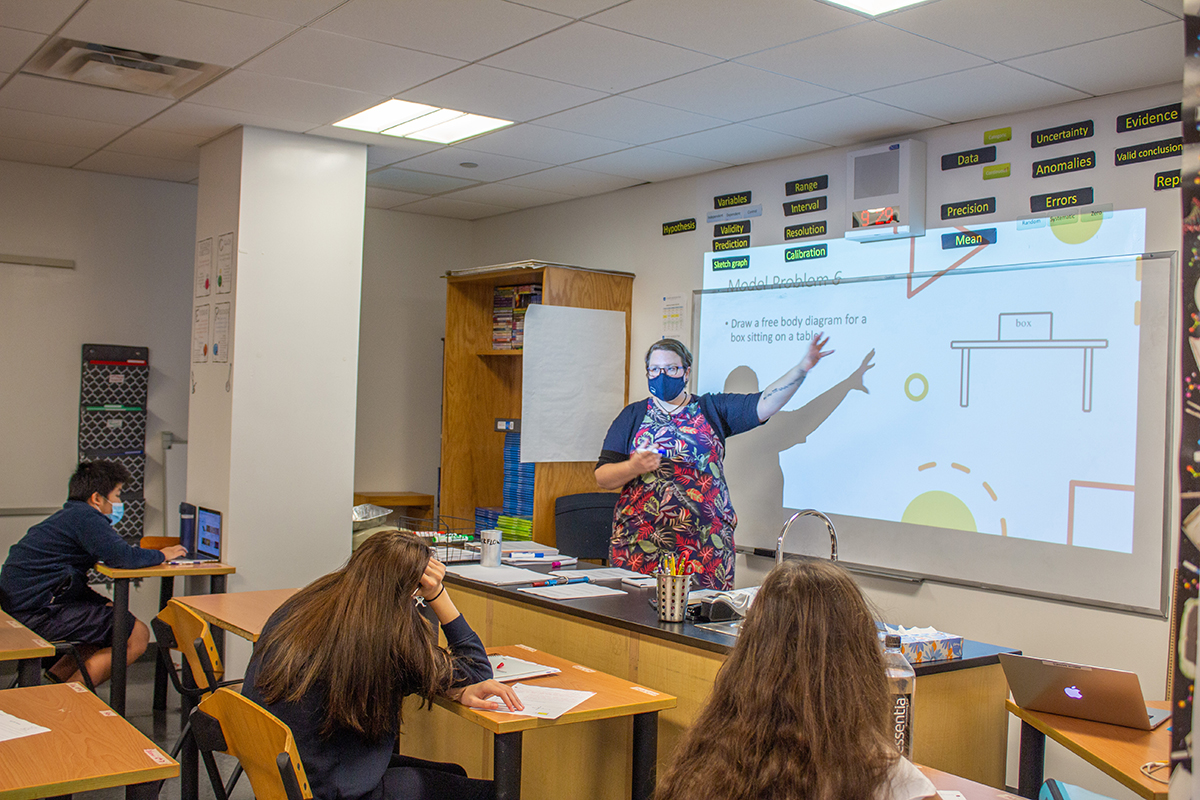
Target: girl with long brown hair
[
  {"x": 336, "y": 660},
  {"x": 799, "y": 710}
]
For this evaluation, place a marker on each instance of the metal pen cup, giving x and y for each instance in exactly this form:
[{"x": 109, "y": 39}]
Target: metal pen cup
[{"x": 673, "y": 596}]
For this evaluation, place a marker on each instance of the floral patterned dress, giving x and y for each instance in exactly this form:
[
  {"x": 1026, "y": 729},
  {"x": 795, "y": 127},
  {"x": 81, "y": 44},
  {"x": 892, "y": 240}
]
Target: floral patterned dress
[{"x": 682, "y": 509}]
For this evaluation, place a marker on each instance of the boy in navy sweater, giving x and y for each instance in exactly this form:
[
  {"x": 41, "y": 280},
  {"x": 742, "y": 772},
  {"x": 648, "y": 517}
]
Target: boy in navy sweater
[{"x": 43, "y": 584}]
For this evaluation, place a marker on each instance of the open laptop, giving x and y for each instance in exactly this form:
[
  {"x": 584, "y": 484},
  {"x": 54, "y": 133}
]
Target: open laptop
[
  {"x": 202, "y": 537},
  {"x": 1077, "y": 690}
]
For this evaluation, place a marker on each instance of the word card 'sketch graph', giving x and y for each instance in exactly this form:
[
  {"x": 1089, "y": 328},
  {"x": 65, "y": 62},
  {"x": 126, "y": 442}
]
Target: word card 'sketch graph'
[{"x": 1027, "y": 331}]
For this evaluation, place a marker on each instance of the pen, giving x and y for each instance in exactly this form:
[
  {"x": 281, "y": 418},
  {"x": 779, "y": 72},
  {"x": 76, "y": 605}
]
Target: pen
[
  {"x": 559, "y": 582},
  {"x": 526, "y": 555}
]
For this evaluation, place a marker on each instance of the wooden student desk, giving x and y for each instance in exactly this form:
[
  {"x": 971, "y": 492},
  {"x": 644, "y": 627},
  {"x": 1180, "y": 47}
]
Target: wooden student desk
[
  {"x": 1117, "y": 751},
  {"x": 88, "y": 747},
  {"x": 241, "y": 613},
  {"x": 614, "y": 698},
  {"x": 18, "y": 643},
  {"x": 168, "y": 573}
]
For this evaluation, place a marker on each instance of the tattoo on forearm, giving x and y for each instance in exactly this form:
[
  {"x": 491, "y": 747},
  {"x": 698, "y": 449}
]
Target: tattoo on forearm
[{"x": 786, "y": 386}]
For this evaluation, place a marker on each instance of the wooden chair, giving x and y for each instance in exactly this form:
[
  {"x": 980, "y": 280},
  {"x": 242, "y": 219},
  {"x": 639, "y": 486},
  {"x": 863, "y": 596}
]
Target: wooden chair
[
  {"x": 179, "y": 628},
  {"x": 229, "y": 723}
]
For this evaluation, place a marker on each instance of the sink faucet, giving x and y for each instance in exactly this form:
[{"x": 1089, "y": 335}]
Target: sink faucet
[{"x": 808, "y": 512}]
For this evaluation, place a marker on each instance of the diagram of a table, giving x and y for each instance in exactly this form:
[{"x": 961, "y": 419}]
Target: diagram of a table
[{"x": 1027, "y": 331}]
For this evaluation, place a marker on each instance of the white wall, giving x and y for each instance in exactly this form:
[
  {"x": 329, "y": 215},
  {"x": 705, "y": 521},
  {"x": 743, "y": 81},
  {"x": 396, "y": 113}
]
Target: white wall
[
  {"x": 622, "y": 231},
  {"x": 400, "y": 349},
  {"x": 131, "y": 241}
]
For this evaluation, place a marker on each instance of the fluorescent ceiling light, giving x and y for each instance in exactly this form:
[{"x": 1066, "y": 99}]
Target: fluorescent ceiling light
[
  {"x": 874, "y": 7},
  {"x": 437, "y": 117},
  {"x": 385, "y": 115},
  {"x": 418, "y": 121},
  {"x": 456, "y": 130}
]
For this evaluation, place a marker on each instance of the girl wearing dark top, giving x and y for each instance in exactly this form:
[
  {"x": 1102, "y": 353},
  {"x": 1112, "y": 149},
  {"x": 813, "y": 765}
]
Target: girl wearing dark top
[
  {"x": 337, "y": 659},
  {"x": 665, "y": 454}
]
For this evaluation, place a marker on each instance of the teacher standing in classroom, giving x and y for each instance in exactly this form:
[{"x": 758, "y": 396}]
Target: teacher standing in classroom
[{"x": 665, "y": 454}]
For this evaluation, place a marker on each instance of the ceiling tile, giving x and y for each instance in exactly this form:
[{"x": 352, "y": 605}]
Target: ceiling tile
[
  {"x": 1001, "y": 31},
  {"x": 733, "y": 92},
  {"x": 739, "y": 144},
  {"x": 16, "y": 46},
  {"x": 722, "y": 29},
  {"x": 336, "y": 60},
  {"x": 42, "y": 16},
  {"x": 176, "y": 29},
  {"x": 60, "y": 98},
  {"x": 650, "y": 164},
  {"x": 457, "y": 209},
  {"x": 439, "y": 27},
  {"x": 389, "y": 198},
  {"x": 624, "y": 119},
  {"x": 507, "y": 195},
  {"x": 880, "y": 54},
  {"x": 975, "y": 93},
  {"x": 1174, "y": 7},
  {"x": 500, "y": 93},
  {"x": 160, "y": 144},
  {"x": 283, "y": 97},
  {"x": 1132, "y": 60},
  {"x": 491, "y": 167},
  {"x": 297, "y": 12},
  {"x": 598, "y": 58},
  {"x": 848, "y": 120},
  {"x": 31, "y": 152},
  {"x": 409, "y": 181},
  {"x": 539, "y": 143},
  {"x": 33, "y": 126},
  {"x": 209, "y": 122},
  {"x": 381, "y": 150},
  {"x": 141, "y": 166},
  {"x": 571, "y": 8},
  {"x": 572, "y": 181}
]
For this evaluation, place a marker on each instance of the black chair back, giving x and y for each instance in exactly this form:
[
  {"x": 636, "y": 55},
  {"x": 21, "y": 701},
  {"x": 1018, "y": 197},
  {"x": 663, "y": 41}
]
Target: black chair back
[{"x": 583, "y": 524}]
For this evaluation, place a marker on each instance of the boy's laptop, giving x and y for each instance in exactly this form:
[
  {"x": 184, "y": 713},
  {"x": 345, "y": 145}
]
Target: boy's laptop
[
  {"x": 202, "y": 537},
  {"x": 1077, "y": 690}
]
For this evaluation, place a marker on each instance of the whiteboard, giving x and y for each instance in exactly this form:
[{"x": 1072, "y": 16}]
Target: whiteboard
[{"x": 998, "y": 421}]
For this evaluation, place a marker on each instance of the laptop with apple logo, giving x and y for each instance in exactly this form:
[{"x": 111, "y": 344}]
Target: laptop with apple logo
[{"x": 1077, "y": 690}]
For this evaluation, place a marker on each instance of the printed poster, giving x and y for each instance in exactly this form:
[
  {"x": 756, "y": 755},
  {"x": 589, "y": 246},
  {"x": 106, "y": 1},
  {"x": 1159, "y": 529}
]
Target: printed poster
[
  {"x": 220, "y": 333},
  {"x": 204, "y": 267},
  {"x": 225, "y": 263},
  {"x": 200, "y": 334}
]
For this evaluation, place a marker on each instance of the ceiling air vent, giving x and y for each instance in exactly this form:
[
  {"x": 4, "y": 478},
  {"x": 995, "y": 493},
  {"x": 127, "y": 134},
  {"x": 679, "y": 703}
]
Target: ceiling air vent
[{"x": 116, "y": 68}]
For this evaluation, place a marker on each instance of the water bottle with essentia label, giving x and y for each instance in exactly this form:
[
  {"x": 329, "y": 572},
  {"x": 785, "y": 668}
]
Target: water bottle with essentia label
[{"x": 901, "y": 682}]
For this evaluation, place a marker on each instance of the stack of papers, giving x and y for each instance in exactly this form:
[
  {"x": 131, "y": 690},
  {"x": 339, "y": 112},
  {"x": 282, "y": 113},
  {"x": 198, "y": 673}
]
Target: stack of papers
[
  {"x": 570, "y": 591},
  {"x": 545, "y": 702},
  {"x": 534, "y": 559},
  {"x": 642, "y": 582},
  {"x": 605, "y": 574},
  {"x": 509, "y": 668},
  {"x": 496, "y": 576}
]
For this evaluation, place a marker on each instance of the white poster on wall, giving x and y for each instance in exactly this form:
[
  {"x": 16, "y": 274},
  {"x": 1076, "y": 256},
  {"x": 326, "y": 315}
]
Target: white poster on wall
[
  {"x": 220, "y": 333},
  {"x": 204, "y": 267},
  {"x": 200, "y": 334},
  {"x": 225, "y": 263},
  {"x": 572, "y": 383}
]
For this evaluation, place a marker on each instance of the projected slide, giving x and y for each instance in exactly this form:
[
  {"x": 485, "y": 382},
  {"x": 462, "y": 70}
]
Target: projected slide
[{"x": 985, "y": 378}]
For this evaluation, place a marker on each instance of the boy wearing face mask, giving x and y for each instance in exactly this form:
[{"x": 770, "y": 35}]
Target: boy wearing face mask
[{"x": 43, "y": 583}]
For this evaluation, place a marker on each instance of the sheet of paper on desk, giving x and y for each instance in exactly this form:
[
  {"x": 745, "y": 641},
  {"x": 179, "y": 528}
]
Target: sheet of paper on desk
[
  {"x": 605, "y": 574},
  {"x": 532, "y": 560},
  {"x": 15, "y": 728},
  {"x": 544, "y": 701},
  {"x": 509, "y": 668},
  {"x": 497, "y": 576},
  {"x": 570, "y": 591}
]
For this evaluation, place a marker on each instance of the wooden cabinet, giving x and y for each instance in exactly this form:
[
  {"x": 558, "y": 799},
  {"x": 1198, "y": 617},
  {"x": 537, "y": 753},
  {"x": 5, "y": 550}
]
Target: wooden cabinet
[{"x": 481, "y": 384}]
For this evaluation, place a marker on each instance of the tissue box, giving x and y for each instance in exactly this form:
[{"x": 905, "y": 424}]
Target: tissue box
[{"x": 927, "y": 645}]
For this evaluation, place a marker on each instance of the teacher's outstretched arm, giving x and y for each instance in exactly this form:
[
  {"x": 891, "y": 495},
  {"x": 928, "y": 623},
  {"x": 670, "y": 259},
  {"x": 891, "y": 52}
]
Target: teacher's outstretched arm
[{"x": 775, "y": 396}]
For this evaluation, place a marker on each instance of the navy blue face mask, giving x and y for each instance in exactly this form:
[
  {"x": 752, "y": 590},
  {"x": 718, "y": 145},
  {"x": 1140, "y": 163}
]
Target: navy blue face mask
[{"x": 664, "y": 387}]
